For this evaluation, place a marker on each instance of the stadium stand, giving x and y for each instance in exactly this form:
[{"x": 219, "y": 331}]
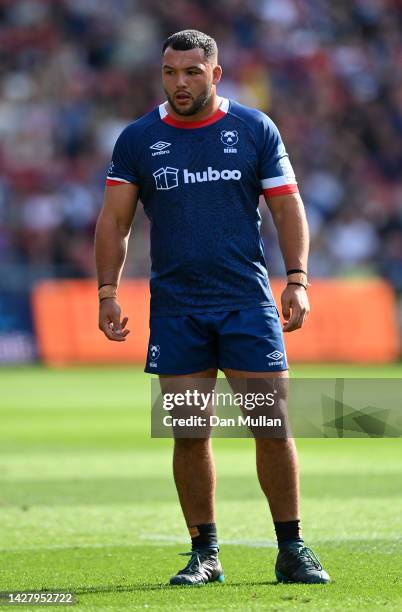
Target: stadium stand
[{"x": 75, "y": 72}]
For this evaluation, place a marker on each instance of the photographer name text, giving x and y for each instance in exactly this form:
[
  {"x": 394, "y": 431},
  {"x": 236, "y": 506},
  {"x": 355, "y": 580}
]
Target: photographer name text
[{"x": 214, "y": 421}]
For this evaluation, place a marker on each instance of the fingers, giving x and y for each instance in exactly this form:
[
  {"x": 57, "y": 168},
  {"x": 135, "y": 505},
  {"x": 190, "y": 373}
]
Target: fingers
[
  {"x": 297, "y": 318},
  {"x": 124, "y": 332},
  {"x": 117, "y": 335},
  {"x": 109, "y": 322},
  {"x": 285, "y": 308},
  {"x": 117, "y": 331},
  {"x": 295, "y": 321},
  {"x": 292, "y": 323},
  {"x": 295, "y": 309}
]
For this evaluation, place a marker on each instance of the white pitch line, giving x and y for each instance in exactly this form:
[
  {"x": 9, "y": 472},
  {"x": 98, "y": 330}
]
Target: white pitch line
[
  {"x": 155, "y": 539},
  {"x": 271, "y": 543},
  {"x": 236, "y": 542}
]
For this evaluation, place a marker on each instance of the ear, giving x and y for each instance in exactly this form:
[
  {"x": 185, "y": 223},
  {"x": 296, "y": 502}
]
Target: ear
[{"x": 216, "y": 74}]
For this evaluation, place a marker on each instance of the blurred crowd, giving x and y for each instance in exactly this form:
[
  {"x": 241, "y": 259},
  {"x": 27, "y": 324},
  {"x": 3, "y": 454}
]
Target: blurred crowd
[{"x": 74, "y": 73}]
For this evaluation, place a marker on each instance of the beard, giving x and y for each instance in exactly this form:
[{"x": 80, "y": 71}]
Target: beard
[{"x": 199, "y": 103}]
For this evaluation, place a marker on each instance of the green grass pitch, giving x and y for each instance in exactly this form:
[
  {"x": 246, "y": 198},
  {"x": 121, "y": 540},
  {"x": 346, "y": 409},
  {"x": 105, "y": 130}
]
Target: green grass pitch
[{"x": 88, "y": 504}]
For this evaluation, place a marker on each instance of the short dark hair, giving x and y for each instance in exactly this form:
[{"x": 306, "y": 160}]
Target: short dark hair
[{"x": 191, "y": 39}]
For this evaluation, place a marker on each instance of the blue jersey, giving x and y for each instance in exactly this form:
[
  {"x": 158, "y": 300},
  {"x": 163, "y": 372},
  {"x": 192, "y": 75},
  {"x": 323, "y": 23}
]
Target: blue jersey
[{"x": 200, "y": 183}]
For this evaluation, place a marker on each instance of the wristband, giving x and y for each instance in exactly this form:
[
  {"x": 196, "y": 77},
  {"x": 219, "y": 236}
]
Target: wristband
[
  {"x": 296, "y": 271},
  {"x": 107, "y": 291},
  {"x": 298, "y": 284}
]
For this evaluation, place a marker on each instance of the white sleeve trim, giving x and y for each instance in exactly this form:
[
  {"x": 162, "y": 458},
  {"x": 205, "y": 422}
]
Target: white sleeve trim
[
  {"x": 278, "y": 181},
  {"x": 114, "y": 178}
]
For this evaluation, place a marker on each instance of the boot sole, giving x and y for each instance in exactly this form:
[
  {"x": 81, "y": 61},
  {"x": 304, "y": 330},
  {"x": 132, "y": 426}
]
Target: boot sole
[
  {"x": 220, "y": 579},
  {"x": 281, "y": 578}
]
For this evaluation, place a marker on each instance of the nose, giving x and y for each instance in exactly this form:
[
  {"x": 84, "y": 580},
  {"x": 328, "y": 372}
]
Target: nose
[{"x": 181, "y": 80}]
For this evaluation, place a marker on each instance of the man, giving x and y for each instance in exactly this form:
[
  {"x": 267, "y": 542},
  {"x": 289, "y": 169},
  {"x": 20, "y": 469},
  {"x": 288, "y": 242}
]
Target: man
[{"x": 199, "y": 163}]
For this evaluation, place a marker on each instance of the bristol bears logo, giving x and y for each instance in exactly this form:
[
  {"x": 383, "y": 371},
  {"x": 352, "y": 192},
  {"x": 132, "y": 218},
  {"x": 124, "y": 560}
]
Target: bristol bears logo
[
  {"x": 229, "y": 138},
  {"x": 154, "y": 352}
]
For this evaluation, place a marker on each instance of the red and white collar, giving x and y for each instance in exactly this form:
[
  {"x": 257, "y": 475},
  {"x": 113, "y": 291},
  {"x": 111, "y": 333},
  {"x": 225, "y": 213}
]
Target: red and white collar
[{"x": 216, "y": 116}]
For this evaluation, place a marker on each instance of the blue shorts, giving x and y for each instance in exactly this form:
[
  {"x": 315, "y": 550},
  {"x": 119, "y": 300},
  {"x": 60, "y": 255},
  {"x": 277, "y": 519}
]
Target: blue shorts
[{"x": 249, "y": 340}]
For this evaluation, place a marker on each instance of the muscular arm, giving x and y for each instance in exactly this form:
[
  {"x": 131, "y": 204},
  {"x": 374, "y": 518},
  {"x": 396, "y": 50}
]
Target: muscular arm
[
  {"x": 113, "y": 230},
  {"x": 111, "y": 240},
  {"x": 291, "y": 224}
]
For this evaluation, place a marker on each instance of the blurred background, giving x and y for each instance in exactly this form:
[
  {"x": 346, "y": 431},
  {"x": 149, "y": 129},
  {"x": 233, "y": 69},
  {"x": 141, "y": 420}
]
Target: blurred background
[
  {"x": 74, "y": 73},
  {"x": 87, "y": 501}
]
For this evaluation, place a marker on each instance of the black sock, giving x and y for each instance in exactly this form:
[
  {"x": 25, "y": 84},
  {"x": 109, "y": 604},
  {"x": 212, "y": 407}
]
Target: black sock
[
  {"x": 204, "y": 537},
  {"x": 288, "y": 532}
]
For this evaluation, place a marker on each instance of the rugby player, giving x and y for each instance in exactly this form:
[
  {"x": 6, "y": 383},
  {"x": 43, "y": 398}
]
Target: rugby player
[{"x": 199, "y": 163}]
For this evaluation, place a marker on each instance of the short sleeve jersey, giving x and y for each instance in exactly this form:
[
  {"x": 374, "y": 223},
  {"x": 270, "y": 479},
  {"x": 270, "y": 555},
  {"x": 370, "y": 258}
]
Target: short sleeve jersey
[{"x": 200, "y": 183}]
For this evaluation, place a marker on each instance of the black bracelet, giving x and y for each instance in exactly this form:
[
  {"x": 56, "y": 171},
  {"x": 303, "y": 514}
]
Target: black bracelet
[
  {"x": 299, "y": 284},
  {"x": 297, "y": 271},
  {"x": 108, "y": 297},
  {"x": 105, "y": 285}
]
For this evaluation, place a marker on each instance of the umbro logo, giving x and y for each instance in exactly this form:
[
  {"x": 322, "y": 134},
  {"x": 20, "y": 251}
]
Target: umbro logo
[
  {"x": 277, "y": 358},
  {"x": 275, "y": 355},
  {"x": 160, "y": 147}
]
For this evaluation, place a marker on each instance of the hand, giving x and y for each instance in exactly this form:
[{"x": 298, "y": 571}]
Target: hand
[
  {"x": 109, "y": 320},
  {"x": 295, "y": 307}
]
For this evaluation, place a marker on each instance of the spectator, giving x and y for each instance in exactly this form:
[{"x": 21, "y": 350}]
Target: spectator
[{"x": 77, "y": 71}]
